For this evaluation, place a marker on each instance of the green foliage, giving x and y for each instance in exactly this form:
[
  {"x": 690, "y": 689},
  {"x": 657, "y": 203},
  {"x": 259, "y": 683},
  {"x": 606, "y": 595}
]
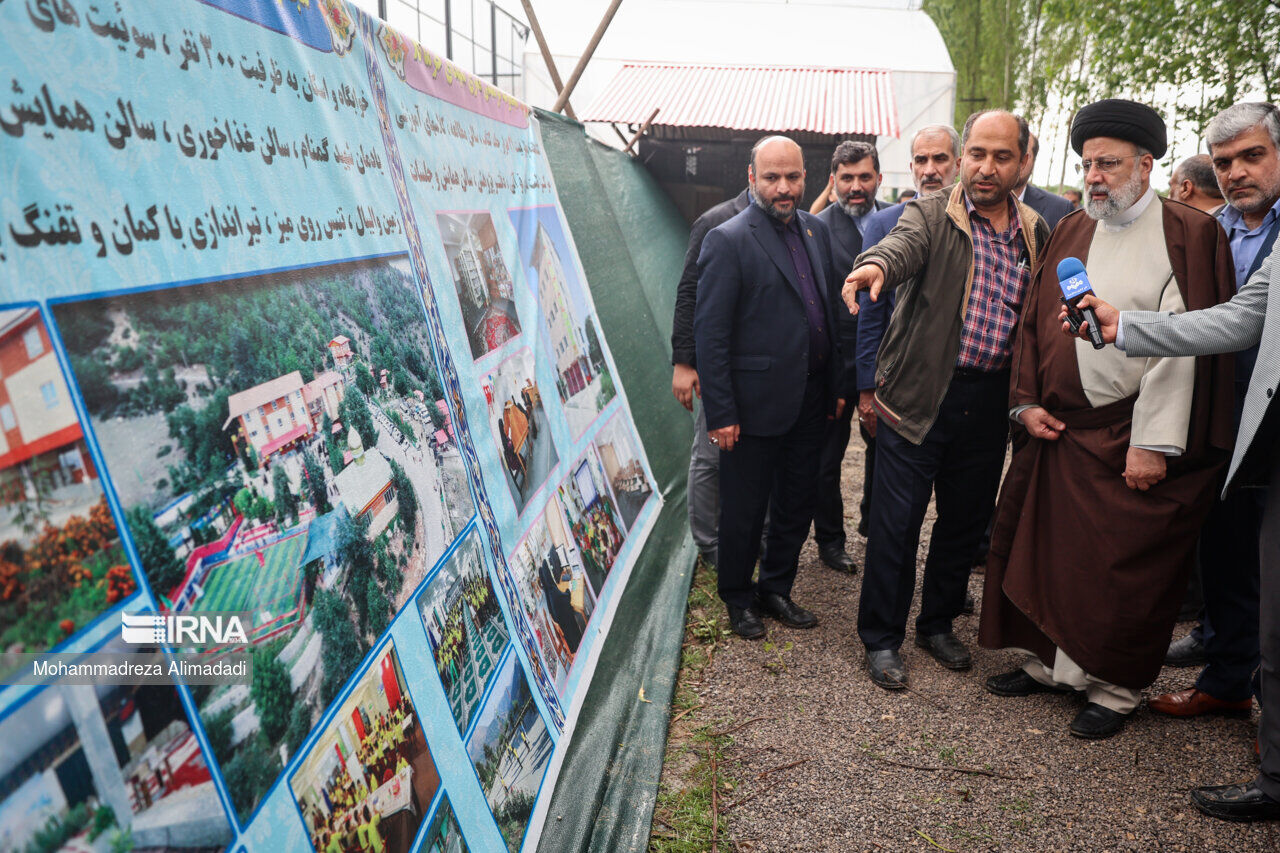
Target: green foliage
[
  {"x": 299, "y": 727},
  {"x": 272, "y": 694},
  {"x": 104, "y": 817},
  {"x": 285, "y": 500},
  {"x": 218, "y": 729},
  {"x": 405, "y": 429},
  {"x": 407, "y": 500},
  {"x": 377, "y": 606},
  {"x": 250, "y": 773},
  {"x": 1188, "y": 58},
  {"x": 57, "y": 831},
  {"x": 94, "y": 377},
  {"x": 356, "y": 554},
  {"x": 122, "y": 841},
  {"x": 513, "y": 817},
  {"x": 164, "y": 569},
  {"x": 354, "y": 412},
  {"x": 595, "y": 352},
  {"x": 207, "y": 446},
  {"x": 341, "y": 647},
  {"x": 263, "y": 509},
  {"x": 243, "y": 502},
  {"x": 315, "y": 482}
]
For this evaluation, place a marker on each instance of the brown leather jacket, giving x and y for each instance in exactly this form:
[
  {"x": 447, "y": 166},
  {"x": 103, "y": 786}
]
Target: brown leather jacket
[{"x": 929, "y": 253}]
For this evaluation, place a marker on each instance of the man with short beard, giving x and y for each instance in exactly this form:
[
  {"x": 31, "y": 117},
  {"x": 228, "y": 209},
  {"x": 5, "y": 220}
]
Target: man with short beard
[
  {"x": 935, "y": 162},
  {"x": 1095, "y": 531},
  {"x": 855, "y": 176},
  {"x": 769, "y": 364},
  {"x": 1244, "y": 145},
  {"x": 961, "y": 261}
]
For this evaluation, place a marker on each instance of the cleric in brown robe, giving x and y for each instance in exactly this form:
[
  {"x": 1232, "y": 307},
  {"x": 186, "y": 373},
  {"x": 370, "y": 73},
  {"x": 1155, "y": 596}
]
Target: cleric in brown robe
[{"x": 1099, "y": 514}]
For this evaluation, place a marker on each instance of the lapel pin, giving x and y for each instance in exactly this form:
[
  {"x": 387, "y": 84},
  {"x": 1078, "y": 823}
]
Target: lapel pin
[{"x": 807, "y": 231}]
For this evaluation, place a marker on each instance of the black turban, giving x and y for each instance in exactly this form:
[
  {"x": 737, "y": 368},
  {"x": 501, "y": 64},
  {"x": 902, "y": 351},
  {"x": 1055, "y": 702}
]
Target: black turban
[{"x": 1120, "y": 119}]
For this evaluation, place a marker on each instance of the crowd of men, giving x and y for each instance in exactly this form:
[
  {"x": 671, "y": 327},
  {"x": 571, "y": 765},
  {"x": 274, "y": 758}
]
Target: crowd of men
[{"x": 1138, "y": 414}]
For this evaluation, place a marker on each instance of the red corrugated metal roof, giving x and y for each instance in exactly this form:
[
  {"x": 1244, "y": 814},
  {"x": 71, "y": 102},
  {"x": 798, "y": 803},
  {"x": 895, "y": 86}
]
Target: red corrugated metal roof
[{"x": 749, "y": 97}]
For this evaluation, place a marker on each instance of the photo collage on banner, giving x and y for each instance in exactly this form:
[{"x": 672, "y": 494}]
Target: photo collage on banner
[{"x": 292, "y": 328}]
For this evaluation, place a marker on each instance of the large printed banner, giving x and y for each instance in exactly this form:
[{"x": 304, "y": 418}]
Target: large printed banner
[{"x": 291, "y": 325}]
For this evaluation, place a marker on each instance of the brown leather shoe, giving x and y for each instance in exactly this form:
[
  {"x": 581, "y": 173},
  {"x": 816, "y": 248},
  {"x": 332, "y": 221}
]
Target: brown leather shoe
[{"x": 1192, "y": 703}]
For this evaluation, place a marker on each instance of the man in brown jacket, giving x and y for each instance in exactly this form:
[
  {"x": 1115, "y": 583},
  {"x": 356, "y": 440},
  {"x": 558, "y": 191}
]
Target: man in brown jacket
[{"x": 964, "y": 257}]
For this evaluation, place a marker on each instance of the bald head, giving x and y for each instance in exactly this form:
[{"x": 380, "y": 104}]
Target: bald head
[
  {"x": 776, "y": 176},
  {"x": 774, "y": 144}
]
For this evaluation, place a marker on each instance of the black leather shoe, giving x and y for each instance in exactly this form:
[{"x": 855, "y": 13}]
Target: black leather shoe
[
  {"x": 745, "y": 623},
  {"x": 946, "y": 650},
  {"x": 1185, "y": 652},
  {"x": 1244, "y": 802},
  {"x": 834, "y": 556},
  {"x": 1018, "y": 683},
  {"x": 887, "y": 669},
  {"x": 785, "y": 610},
  {"x": 969, "y": 605},
  {"x": 1095, "y": 722}
]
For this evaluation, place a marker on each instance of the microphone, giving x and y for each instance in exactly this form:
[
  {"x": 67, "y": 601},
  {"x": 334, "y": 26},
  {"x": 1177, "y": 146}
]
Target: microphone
[{"x": 1075, "y": 285}]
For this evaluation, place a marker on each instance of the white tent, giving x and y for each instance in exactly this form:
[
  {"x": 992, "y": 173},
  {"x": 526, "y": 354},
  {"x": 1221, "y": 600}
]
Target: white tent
[{"x": 892, "y": 35}]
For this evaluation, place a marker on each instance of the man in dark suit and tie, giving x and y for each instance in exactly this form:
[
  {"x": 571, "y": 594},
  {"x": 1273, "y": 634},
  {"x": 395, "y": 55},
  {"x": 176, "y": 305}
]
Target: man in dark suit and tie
[
  {"x": 769, "y": 361},
  {"x": 1051, "y": 207},
  {"x": 855, "y": 176}
]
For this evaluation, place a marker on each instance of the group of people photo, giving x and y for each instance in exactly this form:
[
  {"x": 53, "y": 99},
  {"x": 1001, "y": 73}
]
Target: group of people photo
[{"x": 1079, "y": 383}]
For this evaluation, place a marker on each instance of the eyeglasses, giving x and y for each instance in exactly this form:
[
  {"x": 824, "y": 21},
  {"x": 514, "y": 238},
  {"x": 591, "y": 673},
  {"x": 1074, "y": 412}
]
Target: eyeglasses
[{"x": 1106, "y": 165}]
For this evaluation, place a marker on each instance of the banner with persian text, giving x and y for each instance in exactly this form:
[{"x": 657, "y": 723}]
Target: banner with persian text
[{"x": 300, "y": 379}]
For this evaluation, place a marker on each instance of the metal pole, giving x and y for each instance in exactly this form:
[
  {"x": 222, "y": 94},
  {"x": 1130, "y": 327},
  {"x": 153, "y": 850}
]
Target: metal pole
[
  {"x": 586, "y": 56},
  {"x": 493, "y": 39},
  {"x": 546, "y": 55},
  {"x": 448, "y": 30},
  {"x": 382, "y": 9},
  {"x": 640, "y": 132}
]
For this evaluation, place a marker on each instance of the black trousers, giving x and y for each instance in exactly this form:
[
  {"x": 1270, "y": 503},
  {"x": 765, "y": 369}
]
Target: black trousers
[
  {"x": 960, "y": 459},
  {"x": 828, "y": 514},
  {"x": 773, "y": 474},
  {"x": 868, "y": 474},
  {"x": 1228, "y": 551},
  {"x": 1269, "y": 639}
]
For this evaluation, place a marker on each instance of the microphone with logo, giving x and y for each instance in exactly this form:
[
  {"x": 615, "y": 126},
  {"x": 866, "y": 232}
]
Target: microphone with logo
[{"x": 1075, "y": 286}]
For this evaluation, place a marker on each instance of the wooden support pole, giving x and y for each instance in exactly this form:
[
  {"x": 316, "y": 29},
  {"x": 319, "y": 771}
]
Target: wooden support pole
[
  {"x": 640, "y": 132},
  {"x": 546, "y": 54},
  {"x": 586, "y": 56},
  {"x": 621, "y": 136}
]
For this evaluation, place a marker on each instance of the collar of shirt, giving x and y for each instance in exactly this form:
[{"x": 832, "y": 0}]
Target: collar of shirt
[
  {"x": 1129, "y": 215},
  {"x": 859, "y": 222},
  {"x": 1022, "y": 193},
  {"x": 1015, "y": 225},
  {"x": 793, "y": 224},
  {"x": 1233, "y": 221}
]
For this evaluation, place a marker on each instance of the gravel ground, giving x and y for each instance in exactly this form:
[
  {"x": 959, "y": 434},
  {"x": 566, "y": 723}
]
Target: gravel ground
[{"x": 805, "y": 697}]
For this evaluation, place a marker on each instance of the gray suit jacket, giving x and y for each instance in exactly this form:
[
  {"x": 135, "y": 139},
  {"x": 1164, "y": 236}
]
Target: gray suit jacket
[{"x": 1252, "y": 316}]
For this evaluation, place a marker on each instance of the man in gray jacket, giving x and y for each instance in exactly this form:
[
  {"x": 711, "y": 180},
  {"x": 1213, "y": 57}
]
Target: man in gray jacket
[{"x": 1252, "y": 317}]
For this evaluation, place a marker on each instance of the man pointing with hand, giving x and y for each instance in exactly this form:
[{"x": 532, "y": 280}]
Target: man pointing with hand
[{"x": 961, "y": 260}]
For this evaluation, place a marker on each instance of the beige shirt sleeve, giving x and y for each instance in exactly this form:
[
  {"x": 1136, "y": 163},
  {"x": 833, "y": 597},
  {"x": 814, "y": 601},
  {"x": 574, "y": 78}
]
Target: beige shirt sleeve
[{"x": 1162, "y": 414}]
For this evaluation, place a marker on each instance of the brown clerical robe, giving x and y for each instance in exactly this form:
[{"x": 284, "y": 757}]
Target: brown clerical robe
[{"x": 1079, "y": 561}]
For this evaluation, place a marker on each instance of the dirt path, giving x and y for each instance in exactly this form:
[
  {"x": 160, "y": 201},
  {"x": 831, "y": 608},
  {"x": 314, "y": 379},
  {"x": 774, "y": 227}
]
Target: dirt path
[{"x": 826, "y": 761}]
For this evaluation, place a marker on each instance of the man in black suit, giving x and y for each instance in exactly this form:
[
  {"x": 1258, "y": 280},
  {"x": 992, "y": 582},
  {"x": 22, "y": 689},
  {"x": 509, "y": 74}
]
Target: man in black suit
[
  {"x": 855, "y": 176},
  {"x": 769, "y": 361},
  {"x": 704, "y": 458},
  {"x": 1050, "y": 207}
]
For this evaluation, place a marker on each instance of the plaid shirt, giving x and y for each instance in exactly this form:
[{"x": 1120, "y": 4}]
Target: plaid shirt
[{"x": 1001, "y": 273}]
